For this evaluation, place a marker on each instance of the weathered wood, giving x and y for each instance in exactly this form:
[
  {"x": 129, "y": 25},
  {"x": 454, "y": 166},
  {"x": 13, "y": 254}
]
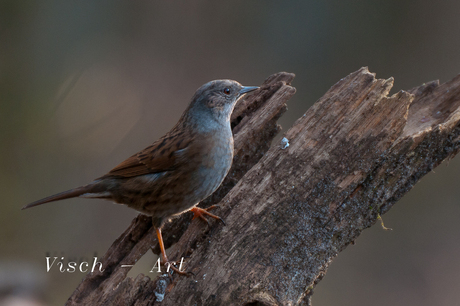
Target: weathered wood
[{"x": 350, "y": 158}]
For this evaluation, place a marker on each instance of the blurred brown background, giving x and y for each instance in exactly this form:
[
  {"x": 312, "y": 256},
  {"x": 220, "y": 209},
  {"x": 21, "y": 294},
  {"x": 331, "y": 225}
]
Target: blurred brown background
[{"x": 85, "y": 84}]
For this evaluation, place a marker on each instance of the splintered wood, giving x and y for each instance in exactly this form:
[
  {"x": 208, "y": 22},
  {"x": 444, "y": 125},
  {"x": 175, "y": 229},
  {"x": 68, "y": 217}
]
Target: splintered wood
[{"x": 290, "y": 209}]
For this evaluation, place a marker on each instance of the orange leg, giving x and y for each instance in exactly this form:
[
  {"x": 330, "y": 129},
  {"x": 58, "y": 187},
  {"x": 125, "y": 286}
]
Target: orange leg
[
  {"x": 201, "y": 213},
  {"x": 163, "y": 253},
  {"x": 162, "y": 245}
]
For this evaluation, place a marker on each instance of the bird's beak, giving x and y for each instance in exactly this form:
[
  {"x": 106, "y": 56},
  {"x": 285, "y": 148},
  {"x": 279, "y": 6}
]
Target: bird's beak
[{"x": 246, "y": 89}]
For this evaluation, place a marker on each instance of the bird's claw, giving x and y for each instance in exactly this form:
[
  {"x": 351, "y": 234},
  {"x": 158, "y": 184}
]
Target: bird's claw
[
  {"x": 172, "y": 265},
  {"x": 202, "y": 212}
]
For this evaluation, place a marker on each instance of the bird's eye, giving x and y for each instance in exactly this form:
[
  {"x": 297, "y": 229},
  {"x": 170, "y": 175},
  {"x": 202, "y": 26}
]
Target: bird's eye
[{"x": 227, "y": 91}]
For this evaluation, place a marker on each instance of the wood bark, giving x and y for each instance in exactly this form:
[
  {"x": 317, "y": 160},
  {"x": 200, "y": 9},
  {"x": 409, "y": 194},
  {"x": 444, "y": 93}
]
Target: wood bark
[{"x": 291, "y": 207}]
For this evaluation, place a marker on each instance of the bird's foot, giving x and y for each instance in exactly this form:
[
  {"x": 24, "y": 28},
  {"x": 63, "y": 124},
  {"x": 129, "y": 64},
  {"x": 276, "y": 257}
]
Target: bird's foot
[
  {"x": 202, "y": 212},
  {"x": 164, "y": 259},
  {"x": 173, "y": 266}
]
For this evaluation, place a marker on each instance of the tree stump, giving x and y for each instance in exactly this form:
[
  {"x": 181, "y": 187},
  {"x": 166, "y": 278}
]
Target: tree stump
[{"x": 291, "y": 207}]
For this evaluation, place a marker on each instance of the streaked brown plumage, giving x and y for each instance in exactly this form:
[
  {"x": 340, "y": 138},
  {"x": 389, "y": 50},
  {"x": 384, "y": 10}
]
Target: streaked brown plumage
[{"x": 181, "y": 168}]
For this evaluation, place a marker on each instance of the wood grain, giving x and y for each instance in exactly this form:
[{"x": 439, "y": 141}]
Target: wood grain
[{"x": 292, "y": 209}]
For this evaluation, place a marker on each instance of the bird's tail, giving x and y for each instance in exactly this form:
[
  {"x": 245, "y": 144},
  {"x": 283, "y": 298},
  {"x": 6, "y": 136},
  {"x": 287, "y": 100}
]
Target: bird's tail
[{"x": 72, "y": 193}]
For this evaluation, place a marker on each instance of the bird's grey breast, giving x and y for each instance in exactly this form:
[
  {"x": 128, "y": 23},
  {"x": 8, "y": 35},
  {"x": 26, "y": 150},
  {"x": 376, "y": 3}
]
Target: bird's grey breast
[{"x": 216, "y": 160}]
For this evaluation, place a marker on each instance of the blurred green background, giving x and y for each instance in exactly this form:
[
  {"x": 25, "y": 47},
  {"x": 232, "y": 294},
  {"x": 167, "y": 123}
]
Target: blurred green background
[{"x": 85, "y": 84}]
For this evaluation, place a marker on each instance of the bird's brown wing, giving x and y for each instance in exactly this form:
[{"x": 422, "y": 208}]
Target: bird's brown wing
[{"x": 164, "y": 155}]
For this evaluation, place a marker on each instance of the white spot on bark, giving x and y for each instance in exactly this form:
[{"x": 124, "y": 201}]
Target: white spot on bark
[{"x": 284, "y": 143}]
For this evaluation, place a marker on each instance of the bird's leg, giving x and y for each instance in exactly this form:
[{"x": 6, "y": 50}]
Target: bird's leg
[
  {"x": 163, "y": 253},
  {"x": 200, "y": 213}
]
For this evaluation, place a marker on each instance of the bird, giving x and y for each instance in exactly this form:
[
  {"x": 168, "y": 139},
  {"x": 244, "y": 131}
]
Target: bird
[{"x": 180, "y": 169}]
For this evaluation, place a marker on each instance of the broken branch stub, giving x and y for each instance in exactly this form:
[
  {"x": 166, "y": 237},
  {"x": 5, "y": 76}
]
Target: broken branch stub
[{"x": 350, "y": 157}]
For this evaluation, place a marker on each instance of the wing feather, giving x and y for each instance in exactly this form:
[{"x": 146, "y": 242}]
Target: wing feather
[{"x": 163, "y": 155}]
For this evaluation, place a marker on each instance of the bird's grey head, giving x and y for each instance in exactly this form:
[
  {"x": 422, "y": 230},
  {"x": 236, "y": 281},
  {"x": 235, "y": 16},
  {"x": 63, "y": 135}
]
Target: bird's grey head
[{"x": 215, "y": 100}]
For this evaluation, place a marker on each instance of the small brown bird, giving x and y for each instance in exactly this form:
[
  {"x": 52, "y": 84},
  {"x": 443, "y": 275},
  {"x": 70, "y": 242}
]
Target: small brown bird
[{"x": 180, "y": 169}]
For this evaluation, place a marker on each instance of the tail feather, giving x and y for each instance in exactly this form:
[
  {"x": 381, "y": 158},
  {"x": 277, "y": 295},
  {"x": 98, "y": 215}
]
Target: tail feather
[{"x": 72, "y": 193}]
